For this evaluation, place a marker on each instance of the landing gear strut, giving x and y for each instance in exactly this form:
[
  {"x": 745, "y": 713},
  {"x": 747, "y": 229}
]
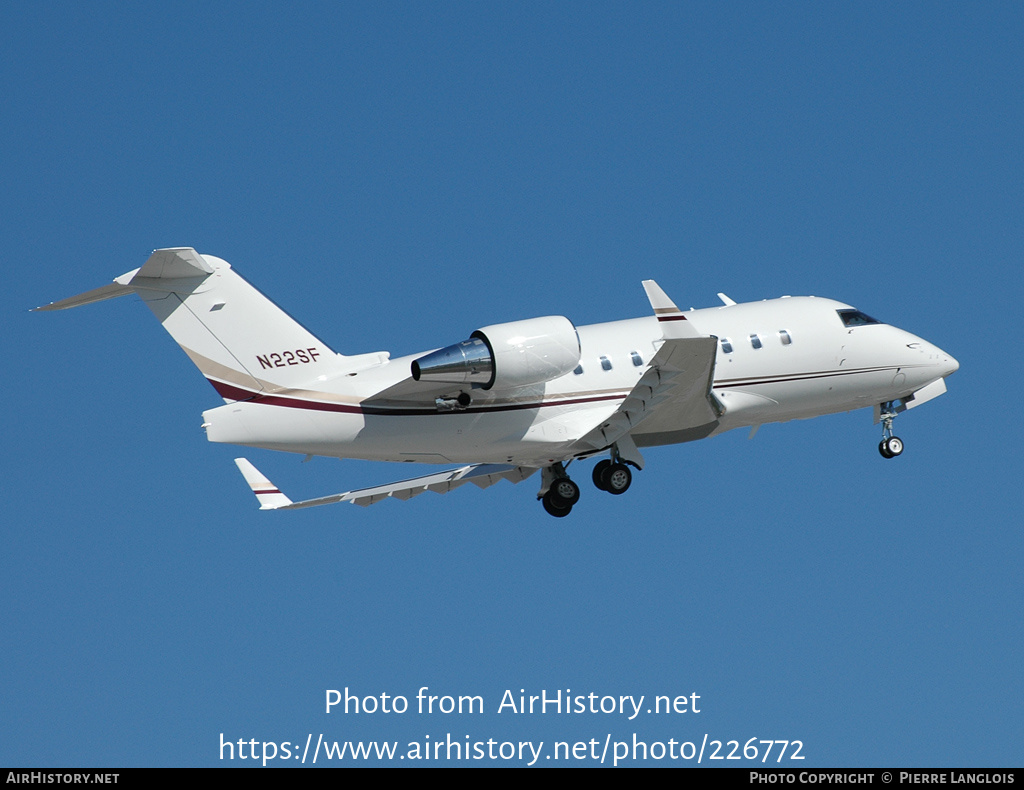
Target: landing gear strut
[{"x": 891, "y": 445}]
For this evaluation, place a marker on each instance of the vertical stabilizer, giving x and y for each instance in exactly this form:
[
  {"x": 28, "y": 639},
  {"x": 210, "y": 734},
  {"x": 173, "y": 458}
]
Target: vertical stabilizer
[{"x": 240, "y": 340}]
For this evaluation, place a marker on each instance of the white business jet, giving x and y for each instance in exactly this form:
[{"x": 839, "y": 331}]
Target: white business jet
[{"x": 528, "y": 395}]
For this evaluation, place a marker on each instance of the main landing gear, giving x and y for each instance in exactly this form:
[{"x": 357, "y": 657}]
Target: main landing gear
[
  {"x": 559, "y": 493},
  {"x": 891, "y": 445},
  {"x": 612, "y": 476}
]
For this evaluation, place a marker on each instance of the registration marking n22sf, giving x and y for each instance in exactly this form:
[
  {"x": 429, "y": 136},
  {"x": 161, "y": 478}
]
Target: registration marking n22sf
[{"x": 300, "y": 356}]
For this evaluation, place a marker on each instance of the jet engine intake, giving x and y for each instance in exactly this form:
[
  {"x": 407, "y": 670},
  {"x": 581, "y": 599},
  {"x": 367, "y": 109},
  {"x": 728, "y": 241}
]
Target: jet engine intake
[{"x": 502, "y": 356}]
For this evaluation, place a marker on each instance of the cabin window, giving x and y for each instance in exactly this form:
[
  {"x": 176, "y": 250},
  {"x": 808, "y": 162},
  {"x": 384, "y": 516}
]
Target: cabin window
[
  {"x": 755, "y": 341},
  {"x": 637, "y": 359},
  {"x": 726, "y": 345},
  {"x": 579, "y": 370},
  {"x": 784, "y": 337},
  {"x": 606, "y": 364},
  {"x": 856, "y": 318}
]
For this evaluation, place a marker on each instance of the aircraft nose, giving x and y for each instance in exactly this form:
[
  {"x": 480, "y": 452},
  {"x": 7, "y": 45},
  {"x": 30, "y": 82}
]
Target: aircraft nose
[
  {"x": 944, "y": 362},
  {"x": 931, "y": 358}
]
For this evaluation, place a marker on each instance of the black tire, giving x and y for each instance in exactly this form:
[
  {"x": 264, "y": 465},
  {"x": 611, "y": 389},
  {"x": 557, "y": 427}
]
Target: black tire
[
  {"x": 883, "y": 449},
  {"x": 554, "y": 506},
  {"x": 616, "y": 479},
  {"x": 565, "y": 492},
  {"x": 894, "y": 446},
  {"x": 599, "y": 470}
]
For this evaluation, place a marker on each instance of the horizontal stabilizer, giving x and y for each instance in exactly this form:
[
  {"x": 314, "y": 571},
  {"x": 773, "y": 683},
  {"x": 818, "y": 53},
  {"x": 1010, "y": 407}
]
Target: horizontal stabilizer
[
  {"x": 481, "y": 475},
  {"x": 169, "y": 264},
  {"x": 111, "y": 291}
]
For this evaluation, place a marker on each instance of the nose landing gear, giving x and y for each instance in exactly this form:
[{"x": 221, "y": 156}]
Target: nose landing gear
[{"x": 891, "y": 445}]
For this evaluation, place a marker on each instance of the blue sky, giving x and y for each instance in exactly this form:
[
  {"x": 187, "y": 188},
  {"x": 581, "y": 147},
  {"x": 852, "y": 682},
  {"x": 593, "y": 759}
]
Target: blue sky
[{"x": 397, "y": 175}]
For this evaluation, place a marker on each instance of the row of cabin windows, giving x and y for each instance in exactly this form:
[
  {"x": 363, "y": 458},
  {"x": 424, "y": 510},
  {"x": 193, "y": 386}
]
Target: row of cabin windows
[
  {"x": 606, "y": 363},
  {"x": 755, "y": 340}
]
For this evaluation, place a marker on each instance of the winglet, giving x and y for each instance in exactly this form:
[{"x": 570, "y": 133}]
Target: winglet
[
  {"x": 268, "y": 495},
  {"x": 674, "y": 323}
]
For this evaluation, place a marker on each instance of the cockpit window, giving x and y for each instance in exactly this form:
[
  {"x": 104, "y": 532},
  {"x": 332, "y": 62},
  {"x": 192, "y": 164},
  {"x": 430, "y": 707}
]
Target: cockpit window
[{"x": 856, "y": 318}]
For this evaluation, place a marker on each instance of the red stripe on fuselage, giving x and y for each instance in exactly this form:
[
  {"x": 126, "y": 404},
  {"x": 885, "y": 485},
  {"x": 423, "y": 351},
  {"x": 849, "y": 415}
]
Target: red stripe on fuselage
[
  {"x": 729, "y": 383},
  {"x": 231, "y": 392}
]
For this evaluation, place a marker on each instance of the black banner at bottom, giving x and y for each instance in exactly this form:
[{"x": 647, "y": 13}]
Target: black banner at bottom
[{"x": 766, "y": 777}]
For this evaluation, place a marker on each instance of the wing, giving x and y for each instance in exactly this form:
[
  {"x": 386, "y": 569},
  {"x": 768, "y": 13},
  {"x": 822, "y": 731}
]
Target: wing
[
  {"x": 481, "y": 475},
  {"x": 674, "y": 393}
]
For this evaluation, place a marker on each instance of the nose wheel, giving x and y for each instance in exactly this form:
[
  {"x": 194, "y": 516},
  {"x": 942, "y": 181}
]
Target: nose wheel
[{"x": 891, "y": 445}]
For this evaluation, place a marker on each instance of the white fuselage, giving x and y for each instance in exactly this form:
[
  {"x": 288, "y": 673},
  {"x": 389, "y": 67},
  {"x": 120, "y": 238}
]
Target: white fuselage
[{"x": 372, "y": 410}]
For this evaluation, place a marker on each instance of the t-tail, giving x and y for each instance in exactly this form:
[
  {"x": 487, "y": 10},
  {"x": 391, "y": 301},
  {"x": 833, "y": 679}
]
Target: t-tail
[{"x": 241, "y": 341}]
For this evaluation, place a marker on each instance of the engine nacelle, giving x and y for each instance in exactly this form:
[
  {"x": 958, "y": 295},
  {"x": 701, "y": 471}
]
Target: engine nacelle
[{"x": 506, "y": 355}]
